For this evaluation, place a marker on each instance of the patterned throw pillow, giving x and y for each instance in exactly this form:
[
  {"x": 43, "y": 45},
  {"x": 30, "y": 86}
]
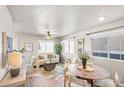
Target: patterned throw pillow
[
  {"x": 40, "y": 57},
  {"x": 50, "y": 56}
]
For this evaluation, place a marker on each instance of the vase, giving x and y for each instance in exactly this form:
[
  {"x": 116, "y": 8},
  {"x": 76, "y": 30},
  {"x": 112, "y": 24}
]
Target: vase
[
  {"x": 84, "y": 62},
  {"x": 14, "y": 72}
]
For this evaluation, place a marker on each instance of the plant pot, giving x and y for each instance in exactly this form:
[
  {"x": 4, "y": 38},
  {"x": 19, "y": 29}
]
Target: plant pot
[{"x": 84, "y": 62}]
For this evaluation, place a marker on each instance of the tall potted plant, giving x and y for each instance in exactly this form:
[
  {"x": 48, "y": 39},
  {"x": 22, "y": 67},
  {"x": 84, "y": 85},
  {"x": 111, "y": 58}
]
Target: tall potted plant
[{"x": 58, "y": 50}]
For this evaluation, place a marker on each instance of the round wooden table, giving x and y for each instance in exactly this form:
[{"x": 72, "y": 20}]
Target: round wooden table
[{"x": 98, "y": 73}]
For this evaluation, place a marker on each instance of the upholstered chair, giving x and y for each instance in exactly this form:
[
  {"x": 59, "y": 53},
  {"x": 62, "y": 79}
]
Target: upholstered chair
[
  {"x": 34, "y": 62},
  {"x": 108, "y": 82}
]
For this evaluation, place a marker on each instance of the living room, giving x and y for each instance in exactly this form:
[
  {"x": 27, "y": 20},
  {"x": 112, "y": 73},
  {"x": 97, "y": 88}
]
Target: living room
[{"x": 52, "y": 40}]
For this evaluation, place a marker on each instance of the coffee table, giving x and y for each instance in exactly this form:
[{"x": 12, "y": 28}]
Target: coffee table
[{"x": 49, "y": 66}]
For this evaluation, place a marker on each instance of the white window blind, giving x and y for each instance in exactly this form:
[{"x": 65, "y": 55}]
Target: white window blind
[
  {"x": 50, "y": 47},
  {"x": 114, "y": 47},
  {"x": 122, "y": 45},
  {"x": 122, "y": 48},
  {"x": 0, "y": 47},
  {"x": 15, "y": 43},
  {"x": 71, "y": 47},
  {"x": 46, "y": 46},
  {"x": 42, "y": 47},
  {"x": 68, "y": 46},
  {"x": 114, "y": 44},
  {"x": 111, "y": 47},
  {"x": 100, "y": 46}
]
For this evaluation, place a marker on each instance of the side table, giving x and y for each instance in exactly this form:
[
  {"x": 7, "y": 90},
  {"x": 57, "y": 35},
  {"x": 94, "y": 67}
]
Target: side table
[{"x": 9, "y": 81}]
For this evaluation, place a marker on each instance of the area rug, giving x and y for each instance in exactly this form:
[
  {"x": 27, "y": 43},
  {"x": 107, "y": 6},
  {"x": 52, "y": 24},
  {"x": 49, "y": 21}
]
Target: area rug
[{"x": 42, "y": 78}]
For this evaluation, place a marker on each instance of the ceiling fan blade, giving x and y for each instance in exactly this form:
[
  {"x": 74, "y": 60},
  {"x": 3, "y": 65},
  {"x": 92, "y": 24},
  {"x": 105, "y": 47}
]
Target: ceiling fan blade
[
  {"x": 53, "y": 32},
  {"x": 43, "y": 33}
]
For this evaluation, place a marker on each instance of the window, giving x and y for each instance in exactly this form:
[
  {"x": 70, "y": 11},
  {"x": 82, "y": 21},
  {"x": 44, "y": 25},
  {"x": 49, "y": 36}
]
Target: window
[
  {"x": 109, "y": 47},
  {"x": 68, "y": 46},
  {"x": 122, "y": 48},
  {"x": 71, "y": 48},
  {"x": 100, "y": 47},
  {"x": 46, "y": 46},
  {"x": 15, "y": 43},
  {"x": 114, "y": 47}
]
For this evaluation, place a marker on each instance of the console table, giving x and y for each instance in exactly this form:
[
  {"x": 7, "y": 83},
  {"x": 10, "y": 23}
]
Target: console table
[{"x": 9, "y": 81}]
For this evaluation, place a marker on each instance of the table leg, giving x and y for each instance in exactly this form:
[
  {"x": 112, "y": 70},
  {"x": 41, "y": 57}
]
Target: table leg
[{"x": 90, "y": 81}]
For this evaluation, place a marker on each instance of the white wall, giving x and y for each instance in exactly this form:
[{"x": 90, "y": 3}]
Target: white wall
[
  {"x": 110, "y": 65},
  {"x": 28, "y": 38},
  {"x": 6, "y": 21},
  {"x": 6, "y": 25}
]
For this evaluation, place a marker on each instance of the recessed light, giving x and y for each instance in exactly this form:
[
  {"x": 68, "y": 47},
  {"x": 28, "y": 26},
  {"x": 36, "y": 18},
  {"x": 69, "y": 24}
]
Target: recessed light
[{"x": 101, "y": 18}]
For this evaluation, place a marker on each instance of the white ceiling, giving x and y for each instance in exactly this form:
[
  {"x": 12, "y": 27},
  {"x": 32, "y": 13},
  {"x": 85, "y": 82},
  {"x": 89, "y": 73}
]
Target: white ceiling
[{"x": 64, "y": 20}]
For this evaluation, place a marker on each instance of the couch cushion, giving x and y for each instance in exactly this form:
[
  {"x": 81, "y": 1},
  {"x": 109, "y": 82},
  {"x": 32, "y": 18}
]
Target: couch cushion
[
  {"x": 50, "y": 56},
  {"x": 41, "y": 57}
]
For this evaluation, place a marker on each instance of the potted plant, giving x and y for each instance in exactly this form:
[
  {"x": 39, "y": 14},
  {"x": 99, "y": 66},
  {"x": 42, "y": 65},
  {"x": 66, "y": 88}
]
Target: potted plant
[
  {"x": 84, "y": 56},
  {"x": 21, "y": 50},
  {"x": 58, "y": 50}
]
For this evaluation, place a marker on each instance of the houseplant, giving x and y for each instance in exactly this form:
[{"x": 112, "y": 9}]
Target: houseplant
[
  {"x": 58, "y": 50},
  {"x": 84, "y": 56},
  {"x": 21, "y": 50}
]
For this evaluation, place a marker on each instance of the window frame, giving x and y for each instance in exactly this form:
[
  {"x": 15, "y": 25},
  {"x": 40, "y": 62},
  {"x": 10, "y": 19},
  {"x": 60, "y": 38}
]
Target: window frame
[
  {"x": 68, "y": 42},
  {"x": 108, "y": 49},
  {"x": 46, "y": 46}
]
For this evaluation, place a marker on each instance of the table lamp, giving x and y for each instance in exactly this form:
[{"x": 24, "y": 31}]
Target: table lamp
[{"x": 15, "y": 60}]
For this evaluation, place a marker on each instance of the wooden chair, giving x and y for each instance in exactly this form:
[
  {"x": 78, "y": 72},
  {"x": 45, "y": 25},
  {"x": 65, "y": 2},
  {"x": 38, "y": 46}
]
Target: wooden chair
[
  {"x": 69, "y": 78},
  {"x": 66, "y": 73}
]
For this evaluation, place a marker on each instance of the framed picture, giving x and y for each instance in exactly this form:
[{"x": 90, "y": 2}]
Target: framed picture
[{"x": 28, "y": 47}]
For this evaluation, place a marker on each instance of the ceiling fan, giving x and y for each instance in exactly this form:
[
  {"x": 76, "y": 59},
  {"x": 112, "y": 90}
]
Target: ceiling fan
[{"x": 49, "y": 33}]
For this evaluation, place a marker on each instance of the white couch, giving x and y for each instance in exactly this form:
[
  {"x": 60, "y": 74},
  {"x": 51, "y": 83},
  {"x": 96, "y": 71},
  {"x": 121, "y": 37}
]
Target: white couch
[{"x": 40, "y": 59}]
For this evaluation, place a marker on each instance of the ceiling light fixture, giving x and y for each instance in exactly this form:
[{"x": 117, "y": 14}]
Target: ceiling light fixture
[
  {"x": 48, "y": 35},
  {"x": 101, "y": 18}
]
